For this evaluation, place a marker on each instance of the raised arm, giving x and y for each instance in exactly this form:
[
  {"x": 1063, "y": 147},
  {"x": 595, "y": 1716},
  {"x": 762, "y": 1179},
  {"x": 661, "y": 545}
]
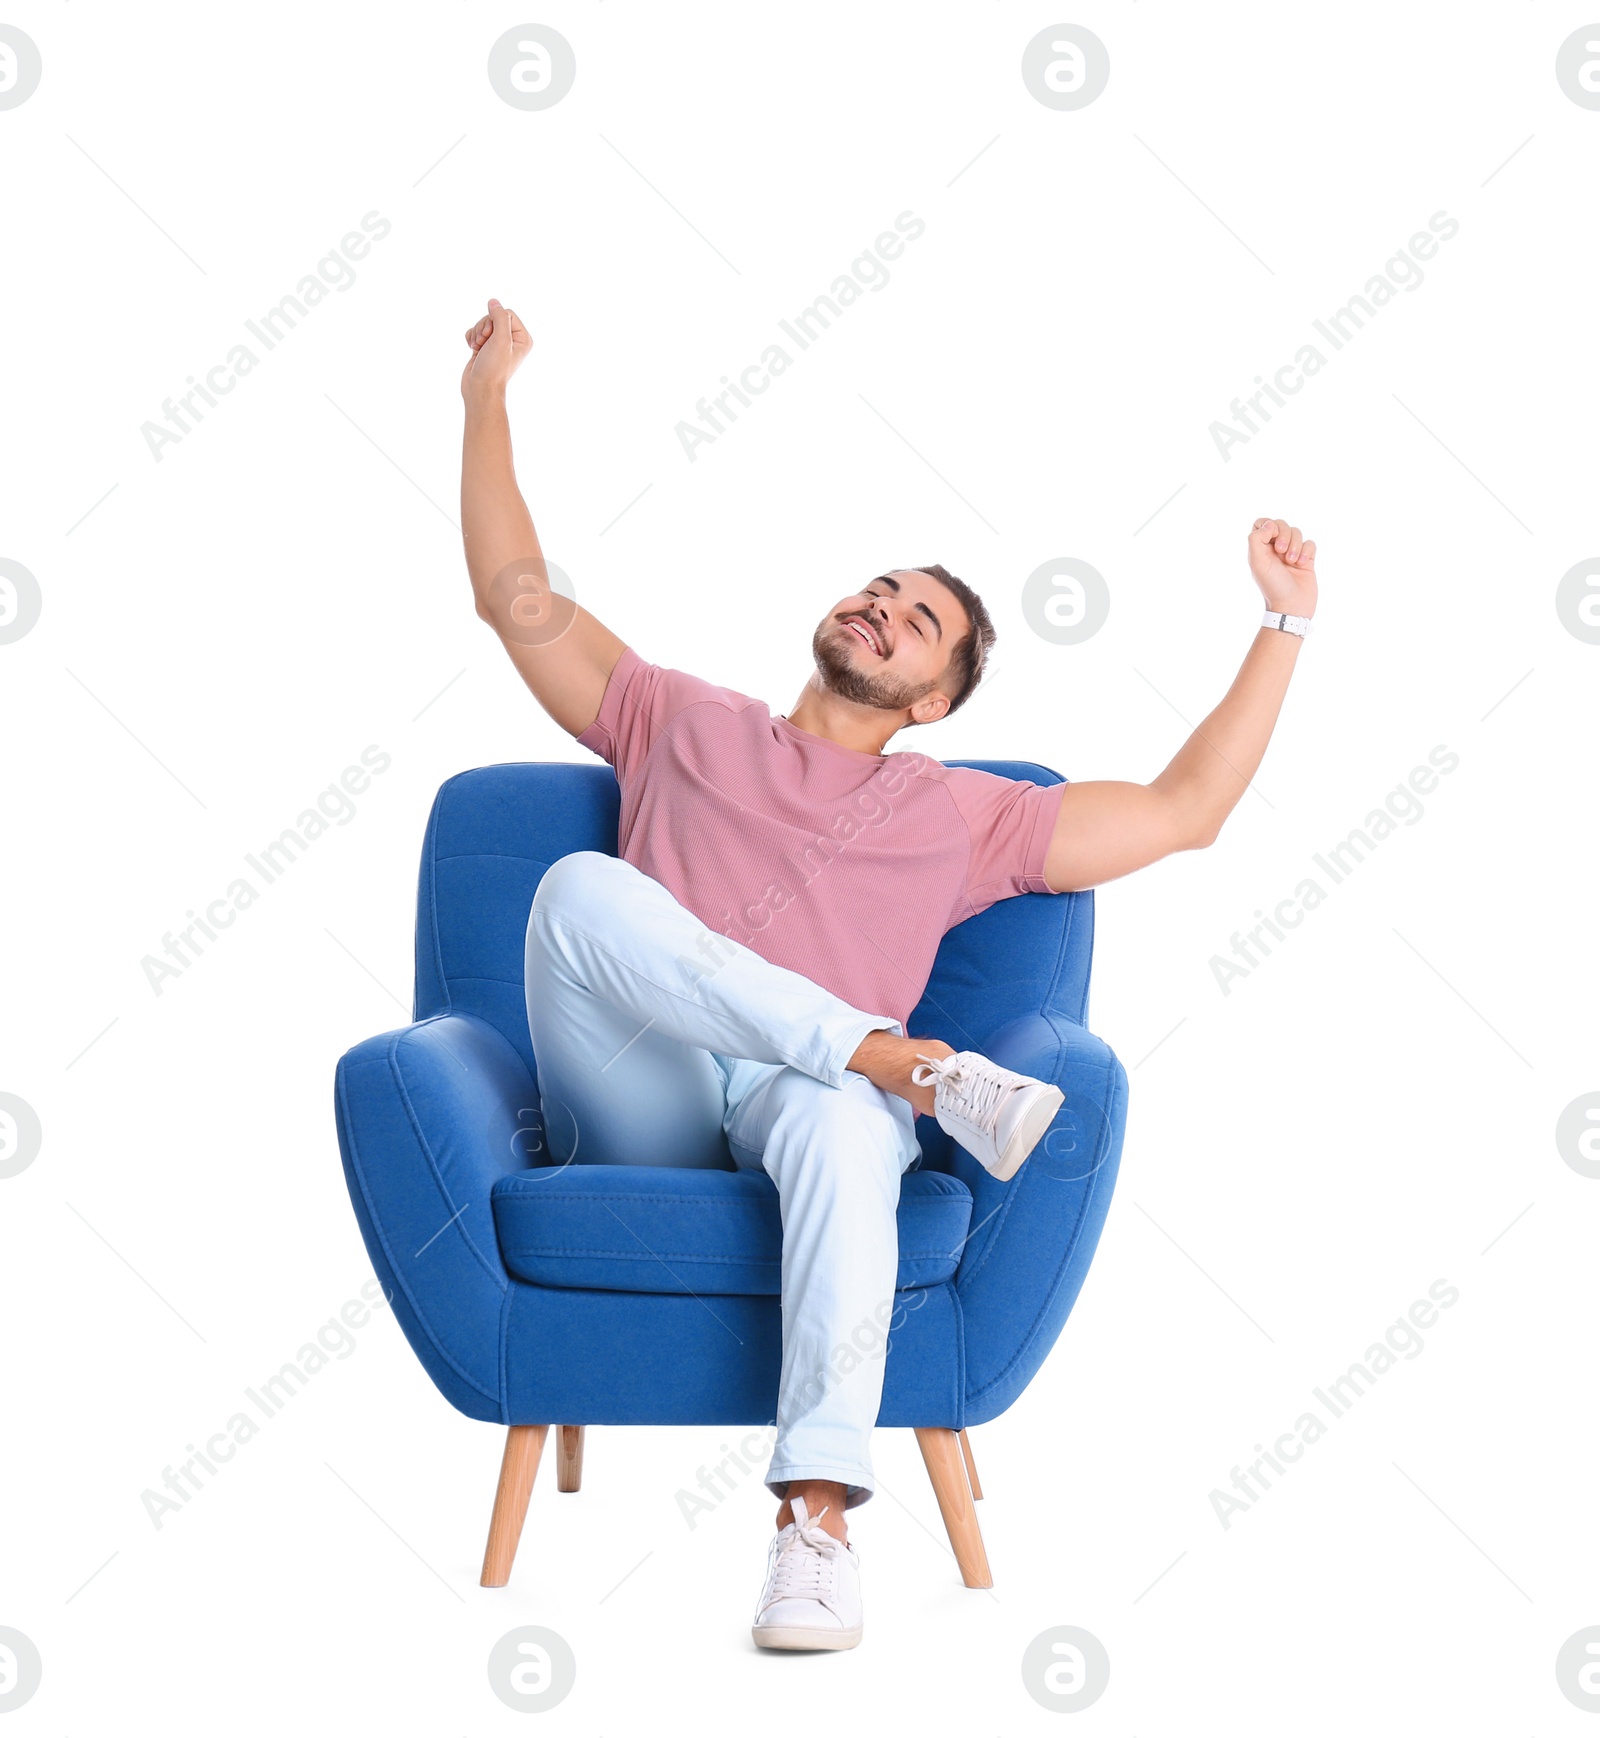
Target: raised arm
[
  {"x": 1105, "y": 829},
  {"x": 560, "y": 650}
]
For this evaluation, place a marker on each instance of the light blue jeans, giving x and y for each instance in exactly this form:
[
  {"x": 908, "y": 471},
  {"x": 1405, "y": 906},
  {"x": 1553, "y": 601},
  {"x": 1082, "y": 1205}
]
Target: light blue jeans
[{"x": 662, "y": 1042}]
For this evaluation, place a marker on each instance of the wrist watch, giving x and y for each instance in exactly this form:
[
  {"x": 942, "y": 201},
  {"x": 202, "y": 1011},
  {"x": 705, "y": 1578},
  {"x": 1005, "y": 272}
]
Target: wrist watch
[{"x": 1300, "y": 625}]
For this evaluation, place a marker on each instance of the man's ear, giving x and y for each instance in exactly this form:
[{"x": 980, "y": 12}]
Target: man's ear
[{"x": 930, "y": 708}]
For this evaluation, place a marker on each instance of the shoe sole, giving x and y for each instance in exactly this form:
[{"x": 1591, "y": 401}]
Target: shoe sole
[
  {"x": 798, "y": 1638},
  {"x": 1028, "y": 1134}
]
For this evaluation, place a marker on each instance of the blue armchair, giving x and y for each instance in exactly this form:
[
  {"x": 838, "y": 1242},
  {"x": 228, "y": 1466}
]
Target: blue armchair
[{"x": 617, "y": 1297}]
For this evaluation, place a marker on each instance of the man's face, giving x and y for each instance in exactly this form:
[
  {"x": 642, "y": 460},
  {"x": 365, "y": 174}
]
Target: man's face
[{"x": 889, "y": 644}]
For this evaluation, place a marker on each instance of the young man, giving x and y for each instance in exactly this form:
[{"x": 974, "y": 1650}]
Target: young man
[{"x": 735, "y": 985}]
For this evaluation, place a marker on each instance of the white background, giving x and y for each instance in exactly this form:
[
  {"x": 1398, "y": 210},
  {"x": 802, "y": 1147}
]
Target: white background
[{"x": 226, "y": 629}]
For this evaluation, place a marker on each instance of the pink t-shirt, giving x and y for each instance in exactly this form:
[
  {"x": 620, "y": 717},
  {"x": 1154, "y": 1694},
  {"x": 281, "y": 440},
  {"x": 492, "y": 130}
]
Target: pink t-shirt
[{"x": 845, "y": 867}]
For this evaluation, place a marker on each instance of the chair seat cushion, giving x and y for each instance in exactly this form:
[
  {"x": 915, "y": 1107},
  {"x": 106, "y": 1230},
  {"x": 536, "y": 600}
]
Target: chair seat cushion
[{"x": 670, "y": 1228}]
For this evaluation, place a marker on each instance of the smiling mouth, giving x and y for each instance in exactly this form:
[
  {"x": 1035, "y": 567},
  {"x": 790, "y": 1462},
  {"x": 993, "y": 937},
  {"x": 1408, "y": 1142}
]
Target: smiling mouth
[{"x": 857, "y": 626}]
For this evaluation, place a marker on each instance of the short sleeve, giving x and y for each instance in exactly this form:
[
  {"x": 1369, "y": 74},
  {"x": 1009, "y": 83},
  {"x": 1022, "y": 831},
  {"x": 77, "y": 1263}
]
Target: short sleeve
[
  {"x": 1009, "y": 823},
  {"x": 640, "y": 702}
]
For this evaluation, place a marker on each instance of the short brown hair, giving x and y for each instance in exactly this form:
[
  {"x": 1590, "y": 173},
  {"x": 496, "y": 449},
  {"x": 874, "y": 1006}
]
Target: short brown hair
[{"x": 971, "y": 651}]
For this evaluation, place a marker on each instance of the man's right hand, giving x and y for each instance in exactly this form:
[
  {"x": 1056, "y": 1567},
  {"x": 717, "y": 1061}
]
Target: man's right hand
[
  {"x": 499, "y": 342},
  {"x": 564, "y": 655}
]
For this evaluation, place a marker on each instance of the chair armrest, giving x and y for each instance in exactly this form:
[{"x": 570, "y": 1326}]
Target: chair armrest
[
  {"x": 429, "y": 1119},
  {"x": 1032, "y": 1239}
]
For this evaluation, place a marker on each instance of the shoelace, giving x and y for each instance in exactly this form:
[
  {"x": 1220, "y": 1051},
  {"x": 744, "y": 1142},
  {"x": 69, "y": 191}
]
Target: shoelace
[
  {"x": 806, "y": 1565},
  {"x": 974, "y": 1096}
]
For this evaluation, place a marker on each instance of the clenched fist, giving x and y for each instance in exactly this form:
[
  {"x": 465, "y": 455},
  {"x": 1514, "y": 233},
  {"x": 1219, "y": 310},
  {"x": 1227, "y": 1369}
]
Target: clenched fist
[
  {"x": 499, "y": 342},
  {"x": 1284, "y": 566}
]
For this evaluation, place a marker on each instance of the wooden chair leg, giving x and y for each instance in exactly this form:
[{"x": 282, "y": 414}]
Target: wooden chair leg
[
  {"x": 524, "y": 1445},
  {"x": 941, "y": 1454},
  {"x": 569, "y": 1458},
  {"x": 972, "y": 1469}
]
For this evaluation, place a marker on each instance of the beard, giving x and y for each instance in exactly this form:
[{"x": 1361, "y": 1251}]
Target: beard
[{"x": 878, "y": 689}]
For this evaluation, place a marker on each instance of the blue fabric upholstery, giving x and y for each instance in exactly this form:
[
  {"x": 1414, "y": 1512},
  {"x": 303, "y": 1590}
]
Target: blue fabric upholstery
[
  {"x": 441, "y": 1139},
  {"x": 669, "y": 1228}
]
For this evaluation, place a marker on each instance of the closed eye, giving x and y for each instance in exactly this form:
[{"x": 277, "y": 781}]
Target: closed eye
[{"x": 912, "y": 619}]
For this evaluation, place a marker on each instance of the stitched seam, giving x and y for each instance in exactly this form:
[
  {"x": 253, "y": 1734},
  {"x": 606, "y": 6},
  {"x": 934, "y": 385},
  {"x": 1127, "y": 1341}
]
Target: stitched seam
[
  {"x": 1032, "y": 1331},
  {"x": 549, "y": 1251},
  {"x": 960, "y": 1315},
  {"x": 394, "y": 1267},
  {"x": 1059, "y": 965},
  {"x": 1080, "y": 1015},
  {"x": 495, "y": 856},
  {"x": 727, "y": 1204},
  {"x": 1059, "y": 972},
  {"x": 433, "y": 897},
  {"x": 546, "y": 1251},
  {"x": 427, "y": 1151},
  {"x": 997, "y": 1220},
  {"x": 938, "y": 1203},
  {"x": 1068, "y": 1251},
  {"x": 1047, "y": 1013},
  {"x": 505, "y": 1355}
]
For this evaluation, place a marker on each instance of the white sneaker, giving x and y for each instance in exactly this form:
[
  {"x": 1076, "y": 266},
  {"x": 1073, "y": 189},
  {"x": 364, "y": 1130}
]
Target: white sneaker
[
  {"x": 996, "y": 1115},
  {"x": 812, "y": 1598}
]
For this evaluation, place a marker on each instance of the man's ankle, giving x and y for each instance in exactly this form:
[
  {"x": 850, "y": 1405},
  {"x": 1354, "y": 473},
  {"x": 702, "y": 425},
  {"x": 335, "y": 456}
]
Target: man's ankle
[
  {"x": 878, "y": 1053},
  {"x": 821, "y": 1498},
  {"x": 887, "y": 1061}
]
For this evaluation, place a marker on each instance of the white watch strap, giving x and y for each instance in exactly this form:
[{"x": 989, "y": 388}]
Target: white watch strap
[{"x": 1300, "y": 625}]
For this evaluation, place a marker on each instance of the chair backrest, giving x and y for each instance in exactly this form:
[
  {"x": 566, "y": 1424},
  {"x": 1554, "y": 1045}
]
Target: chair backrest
[{"x": 495, "y": 830}]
